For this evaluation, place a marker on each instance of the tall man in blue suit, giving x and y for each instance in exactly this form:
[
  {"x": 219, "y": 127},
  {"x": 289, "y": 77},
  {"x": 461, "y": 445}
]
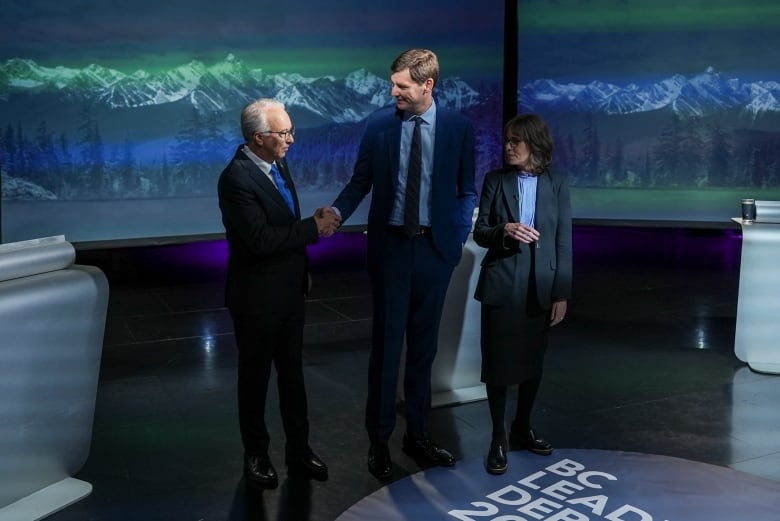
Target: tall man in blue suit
[{"x": 418, "y": 159}]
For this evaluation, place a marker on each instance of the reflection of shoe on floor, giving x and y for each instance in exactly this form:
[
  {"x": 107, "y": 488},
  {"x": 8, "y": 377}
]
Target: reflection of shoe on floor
[
  {"x": 427, "y": 453},
  {"x": 496, "y": 458},
  {"x": 379, "y": 463},
  {"x": 528, "y": 440},
  {"x": 259, "y": 471}
]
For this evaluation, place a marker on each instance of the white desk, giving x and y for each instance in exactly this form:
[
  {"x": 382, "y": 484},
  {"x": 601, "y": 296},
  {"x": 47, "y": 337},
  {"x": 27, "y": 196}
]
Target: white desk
[
  {"x": 52, "y": 318},
  {"x": 757, "y": 337}
]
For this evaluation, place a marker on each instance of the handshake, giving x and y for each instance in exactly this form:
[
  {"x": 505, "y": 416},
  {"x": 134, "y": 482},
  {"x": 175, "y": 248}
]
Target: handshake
[{"x": 328, "y": 220}]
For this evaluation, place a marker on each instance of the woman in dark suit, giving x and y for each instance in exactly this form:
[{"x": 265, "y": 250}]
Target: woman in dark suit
[{"x": 524, "y": 221}]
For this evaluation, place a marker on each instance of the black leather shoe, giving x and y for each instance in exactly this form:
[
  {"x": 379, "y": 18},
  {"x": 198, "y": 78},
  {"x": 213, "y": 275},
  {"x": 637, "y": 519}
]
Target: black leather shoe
[
  {"x": 259, "y": 471},
  {"x": 426, "y": 453},
  {"x": 528, "y": 440},
  {"x": 379, "y": 463},
  {"x": 308, "y": 465},
  {"x": 496, "y": 458}
]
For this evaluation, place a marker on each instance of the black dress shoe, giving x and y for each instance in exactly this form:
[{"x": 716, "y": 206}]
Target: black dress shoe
[
  {"x": 528, "y": 440},
  {"x": 308, "y": 465},
  {"x": 259, "y": 471},
  {"x": 496, "y": 458},
  {"x": 426, "y": 453},
  {"x": 379, "y": 463}
]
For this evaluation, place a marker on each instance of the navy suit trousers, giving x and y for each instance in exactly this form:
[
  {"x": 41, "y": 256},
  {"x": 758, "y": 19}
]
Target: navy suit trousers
[{"x": 410, "y": 283}]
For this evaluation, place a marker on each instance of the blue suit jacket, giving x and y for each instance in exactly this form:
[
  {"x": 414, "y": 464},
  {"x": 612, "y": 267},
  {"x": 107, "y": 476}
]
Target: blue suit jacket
[{"x": 453, "y": 193}]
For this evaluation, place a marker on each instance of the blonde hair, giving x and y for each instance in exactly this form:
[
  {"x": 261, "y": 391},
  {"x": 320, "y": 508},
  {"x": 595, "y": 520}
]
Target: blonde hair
[{"x": 422, "y": 64}]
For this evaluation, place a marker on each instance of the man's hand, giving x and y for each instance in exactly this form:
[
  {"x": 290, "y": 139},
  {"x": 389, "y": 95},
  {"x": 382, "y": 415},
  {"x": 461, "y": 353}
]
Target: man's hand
[{"x": 328, "y": 221}]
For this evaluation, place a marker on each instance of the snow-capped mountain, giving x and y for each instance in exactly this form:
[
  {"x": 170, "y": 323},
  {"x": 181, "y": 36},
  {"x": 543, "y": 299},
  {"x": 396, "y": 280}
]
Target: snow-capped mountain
[
  {"x": 224, "y": 86},
  {"x": 15, "y": 188},
  {"x": 703, "y": 94},
  {"x": 26, "y": 74}
]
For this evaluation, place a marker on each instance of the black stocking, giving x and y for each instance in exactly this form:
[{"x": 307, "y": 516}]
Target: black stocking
[
  {"x": 496, "y": 395},
  {"x": 526, "y": 395}
]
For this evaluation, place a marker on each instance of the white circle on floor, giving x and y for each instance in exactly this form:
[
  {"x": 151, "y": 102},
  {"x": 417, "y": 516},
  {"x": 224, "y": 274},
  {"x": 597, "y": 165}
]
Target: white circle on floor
[{"x": 575, "y": 485}]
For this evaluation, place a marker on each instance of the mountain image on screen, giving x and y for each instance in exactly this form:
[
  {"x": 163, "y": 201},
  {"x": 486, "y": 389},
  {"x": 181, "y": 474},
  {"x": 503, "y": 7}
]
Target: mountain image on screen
[
  {"x": 704, "y": 131},
  {"x": 98, "y": 133}
]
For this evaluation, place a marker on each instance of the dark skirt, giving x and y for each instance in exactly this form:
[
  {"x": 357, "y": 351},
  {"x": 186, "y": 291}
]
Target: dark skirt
[
  {"x": 514, "y": 335},
  {"x": 513, "y": 345}
]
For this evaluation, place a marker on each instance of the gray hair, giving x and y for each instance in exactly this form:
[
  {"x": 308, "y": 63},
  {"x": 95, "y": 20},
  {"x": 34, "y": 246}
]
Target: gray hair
[{"x": 254, "y": 116}]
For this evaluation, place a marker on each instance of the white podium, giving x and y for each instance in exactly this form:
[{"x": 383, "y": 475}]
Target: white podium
[
  {"x": 758, "y": 304},
  {"x": 456, "y": 369},
  {"x": 455, "y": 377},
  {"x": 52, "y": 318}
]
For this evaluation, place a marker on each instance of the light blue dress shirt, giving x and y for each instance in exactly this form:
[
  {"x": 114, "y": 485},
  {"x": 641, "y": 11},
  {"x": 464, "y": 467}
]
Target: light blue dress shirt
[
  {"x": 428, "y": 134},
  {"x": 526, "y": 186}
]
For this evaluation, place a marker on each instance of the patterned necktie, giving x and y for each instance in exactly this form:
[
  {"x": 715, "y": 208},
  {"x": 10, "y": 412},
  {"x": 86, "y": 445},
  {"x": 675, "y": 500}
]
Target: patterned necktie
[
  {"x": 282, "y": 186},
  {"x": 412, "y": 205}
]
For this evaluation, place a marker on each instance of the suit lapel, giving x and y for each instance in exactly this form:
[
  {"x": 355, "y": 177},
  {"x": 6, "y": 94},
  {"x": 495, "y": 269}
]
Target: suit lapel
[
  {"x": 392, "y": 137},
  {"x": 441, "y": 141},
  {"x": 257, "y": 177},
  {"x": 511, "y": 195},
  {"x": 544, "y": 196},
  {"x": 264, "y": 185}
]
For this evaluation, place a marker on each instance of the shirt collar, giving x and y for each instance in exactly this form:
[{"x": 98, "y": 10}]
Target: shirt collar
[
  {"x": 264, "y": 165},
  {"x": 428, "y": 116}
]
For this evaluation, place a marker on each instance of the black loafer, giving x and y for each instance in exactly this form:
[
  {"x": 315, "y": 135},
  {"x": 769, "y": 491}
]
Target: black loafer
[
  {"x": 308, "y": 465},
  {"x": 529, "y": 441},
  {"x": 496, "y": 458},
  {"x": 379, "y": 463},
  {"x": 259, "y": 471},
  {"x": 426, "y": 453}
]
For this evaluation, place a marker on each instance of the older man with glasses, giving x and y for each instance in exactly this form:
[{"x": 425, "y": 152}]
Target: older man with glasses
[{"x": 267, "y": 283}]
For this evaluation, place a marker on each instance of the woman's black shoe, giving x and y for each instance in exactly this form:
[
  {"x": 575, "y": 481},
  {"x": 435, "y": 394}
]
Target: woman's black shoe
[
  {"x": 528, "y": 440},
  {"x": 496, "y": 458}
]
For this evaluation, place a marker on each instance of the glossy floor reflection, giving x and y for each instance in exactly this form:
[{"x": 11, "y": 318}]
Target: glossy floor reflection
[{"x": 643, "y": 363}]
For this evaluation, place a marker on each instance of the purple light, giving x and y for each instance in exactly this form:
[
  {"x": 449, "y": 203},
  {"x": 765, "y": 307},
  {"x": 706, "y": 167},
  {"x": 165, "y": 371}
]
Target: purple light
[
  {"x": 643, "y": 246},
  {"x": 207, "y": 260}
]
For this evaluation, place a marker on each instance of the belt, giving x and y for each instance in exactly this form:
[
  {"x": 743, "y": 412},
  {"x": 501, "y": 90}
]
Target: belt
[{"x": 399, "y": 230}]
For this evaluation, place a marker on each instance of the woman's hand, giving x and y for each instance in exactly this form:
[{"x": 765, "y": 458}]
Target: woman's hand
[
  {"x": 521, "y": 232},
  {"x": 558, "y": 312}
]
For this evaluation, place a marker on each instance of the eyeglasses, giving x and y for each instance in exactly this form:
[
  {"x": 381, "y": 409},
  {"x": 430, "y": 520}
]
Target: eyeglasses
[
  {"x": 512, "y": 141},
  {"x": 281, "y": 133}
]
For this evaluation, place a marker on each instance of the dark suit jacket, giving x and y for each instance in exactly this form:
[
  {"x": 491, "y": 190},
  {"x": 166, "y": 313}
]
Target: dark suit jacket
[
  {"x": 453, "y": 194},
  {"x": 267, "y": 264},
  {"x": 499, "y": 205}
]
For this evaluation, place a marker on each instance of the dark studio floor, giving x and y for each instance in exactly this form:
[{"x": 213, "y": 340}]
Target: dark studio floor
[{"x": 644, "y": 362}]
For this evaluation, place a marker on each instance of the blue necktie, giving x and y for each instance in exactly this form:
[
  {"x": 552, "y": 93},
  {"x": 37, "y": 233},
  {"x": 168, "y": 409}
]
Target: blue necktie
[{"x": 282, "y": 186}]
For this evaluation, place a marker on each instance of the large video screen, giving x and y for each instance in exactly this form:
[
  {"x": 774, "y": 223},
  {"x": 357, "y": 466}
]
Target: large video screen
[
  {"x": 116, "y": 119},
  {"x": 664, "y": 110}
]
